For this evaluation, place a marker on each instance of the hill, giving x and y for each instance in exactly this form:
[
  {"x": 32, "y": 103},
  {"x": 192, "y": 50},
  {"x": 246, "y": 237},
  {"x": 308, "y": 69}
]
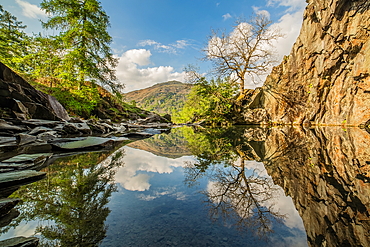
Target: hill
[{"x": 162, "y": 98}]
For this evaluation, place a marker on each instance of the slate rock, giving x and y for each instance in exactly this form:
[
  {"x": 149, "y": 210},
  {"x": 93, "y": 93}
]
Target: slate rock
[
  {"x": 7, "y": 141},
  {"x": 49, "y": 135},
  {"x": 6, "y": 204},
  {"x": 23, "y": 139},
  {"x": 89, "y": 142},
  {"x": 38, "y": 130},
  {"x": 7, "y": 219},
  {"x": 41, "y": 122},
  {"x": 20, "y": 177},
  {"x": 5, "y": 126},
  {"x": 20, "y": 242},
  {"x": 24, "y": 158},
  {"x": 76, "y": 128},
  {"x": 22, "y": 98}
]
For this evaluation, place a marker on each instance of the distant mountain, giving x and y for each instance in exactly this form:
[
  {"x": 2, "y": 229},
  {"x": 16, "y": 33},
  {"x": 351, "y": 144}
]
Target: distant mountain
[
  {"x": 161, "y": 98},
  {"x": 173, "y": 145}
]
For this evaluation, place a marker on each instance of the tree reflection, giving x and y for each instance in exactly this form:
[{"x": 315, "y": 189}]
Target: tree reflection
[
  {"x": 72, "y": 200},
  {"x": 236, "y": 191}
]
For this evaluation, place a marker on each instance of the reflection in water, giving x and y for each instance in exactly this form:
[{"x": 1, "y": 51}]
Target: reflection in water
[
  {"x": 237, "y": 190},
  {"x": 325, "y": 170},
  {"x": 249, "y": 198},
  {"x": 251, "y": 178},
  {"x": 71, "y": 202}
]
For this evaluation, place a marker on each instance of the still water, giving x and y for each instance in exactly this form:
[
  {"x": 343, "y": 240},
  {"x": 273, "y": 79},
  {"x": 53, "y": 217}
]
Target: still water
[{"x": 206, "y": 187}]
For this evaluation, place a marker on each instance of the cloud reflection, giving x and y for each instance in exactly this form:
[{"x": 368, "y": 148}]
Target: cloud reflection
[{"x": 133, "y": 177}]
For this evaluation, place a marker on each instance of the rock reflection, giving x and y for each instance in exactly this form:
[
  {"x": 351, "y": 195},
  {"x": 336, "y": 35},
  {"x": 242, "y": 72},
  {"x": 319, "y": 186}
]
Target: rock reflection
[
  {"x": 325, "y": 170},
  {"x": 238, "y": 190},
  {"x": 71, "y": 202}
]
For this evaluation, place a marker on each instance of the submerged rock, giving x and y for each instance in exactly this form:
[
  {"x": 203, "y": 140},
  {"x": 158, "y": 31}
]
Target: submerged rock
[
  {"x": 7, "y": 204},
  {"x": 34, "y": 158},
  {"x": 20, "y": 242},
  {"x": 20, "y": 177},
  {"x": 89, "y": 142}
]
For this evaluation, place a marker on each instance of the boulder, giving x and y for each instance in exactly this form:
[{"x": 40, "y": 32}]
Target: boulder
[{"x": 24, "y": 101}]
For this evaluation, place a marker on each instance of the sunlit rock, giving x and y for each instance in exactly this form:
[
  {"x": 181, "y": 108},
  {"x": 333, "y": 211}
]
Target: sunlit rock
[{"x": 326, "y": 77}]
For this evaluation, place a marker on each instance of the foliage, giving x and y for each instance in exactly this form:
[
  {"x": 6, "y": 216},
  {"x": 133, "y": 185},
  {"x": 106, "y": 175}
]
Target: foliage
[
  {"x": 42, "y": 60},
  {"x": 236, "y": 190},
  {"x": 162, "y": 98},
  {"x": 12, "y": 38},
  {"x": 73, "y": 199},
  {"x": 73, "y": 65},
  {"x": 245, "y": 53},
  {"x": 83, "y": 34},
  {"x": 209, "y": 101}
]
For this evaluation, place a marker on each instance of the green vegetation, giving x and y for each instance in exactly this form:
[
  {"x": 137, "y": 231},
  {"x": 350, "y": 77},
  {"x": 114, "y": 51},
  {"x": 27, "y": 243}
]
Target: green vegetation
[
  {"x": 12, "y": 38},
  {"x": 75, "y": 65},
  {"x": 163, "y": 98},
  {"x": 210, "y": 102},
  {"x": 74, "y": 197}
]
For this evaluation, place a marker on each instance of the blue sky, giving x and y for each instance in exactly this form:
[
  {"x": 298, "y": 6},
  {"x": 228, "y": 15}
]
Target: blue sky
[{"x": 156, "y": 39}]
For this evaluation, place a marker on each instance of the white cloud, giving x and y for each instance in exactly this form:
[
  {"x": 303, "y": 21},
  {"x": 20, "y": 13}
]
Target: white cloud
[
  {"x": 170, "y": 48},
  {"x": 31, "y": 10},
  {"x": 293, "y": 5},
  {"x": 226, "y": 16},
  {"x": 259, "y": 11},
  {"x": 134, "y": 77},
  {"x": 289, "y": 25},
  {"x": 140, "y": 57}
]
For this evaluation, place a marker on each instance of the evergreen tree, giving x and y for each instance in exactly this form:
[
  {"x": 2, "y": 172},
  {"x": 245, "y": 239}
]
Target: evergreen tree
[
  {"x": 12, "y": 38},
  {"x": 83, "y": 33}
]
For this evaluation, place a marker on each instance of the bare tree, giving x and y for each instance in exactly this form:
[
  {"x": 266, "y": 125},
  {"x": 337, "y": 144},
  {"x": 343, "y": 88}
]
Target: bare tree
[{"x": 246, "y": 52}]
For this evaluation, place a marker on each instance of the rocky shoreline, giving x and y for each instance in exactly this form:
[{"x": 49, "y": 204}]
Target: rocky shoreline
[{"x": 27, "y": 146}]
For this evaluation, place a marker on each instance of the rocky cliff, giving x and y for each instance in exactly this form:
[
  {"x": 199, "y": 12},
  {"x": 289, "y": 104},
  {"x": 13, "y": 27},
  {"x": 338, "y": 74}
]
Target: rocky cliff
[
  {"x": 18, "y": 99},
  {"x": 326, "y": 78}
]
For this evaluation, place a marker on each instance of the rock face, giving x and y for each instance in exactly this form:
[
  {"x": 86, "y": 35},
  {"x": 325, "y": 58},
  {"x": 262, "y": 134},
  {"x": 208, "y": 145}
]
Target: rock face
[
  {"x": 326, "y": 172},
  {"x": 21, "y": 100},
  {"x": 326, "y": 78}
]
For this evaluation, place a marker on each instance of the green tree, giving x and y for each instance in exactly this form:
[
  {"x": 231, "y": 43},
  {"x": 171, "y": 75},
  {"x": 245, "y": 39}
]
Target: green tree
[
  {"x": 43, "y": 60},
  {"x": 83, "y": 32},
  {"x": 209, "y": 101},
  {"x": 12, "y": 38},
  {"x": 74, "y": 197}
]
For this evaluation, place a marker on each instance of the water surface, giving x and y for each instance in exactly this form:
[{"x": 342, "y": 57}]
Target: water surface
[{"x": 206, "y": 187}]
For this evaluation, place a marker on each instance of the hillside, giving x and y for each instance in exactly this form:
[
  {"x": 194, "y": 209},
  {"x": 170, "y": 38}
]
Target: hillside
[{"x": 161, "y": 98}]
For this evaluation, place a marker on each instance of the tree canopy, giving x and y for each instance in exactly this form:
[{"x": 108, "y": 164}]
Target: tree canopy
[
  {"x": 12, "y": 37},
  {"x": 83, "y": 33}
]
